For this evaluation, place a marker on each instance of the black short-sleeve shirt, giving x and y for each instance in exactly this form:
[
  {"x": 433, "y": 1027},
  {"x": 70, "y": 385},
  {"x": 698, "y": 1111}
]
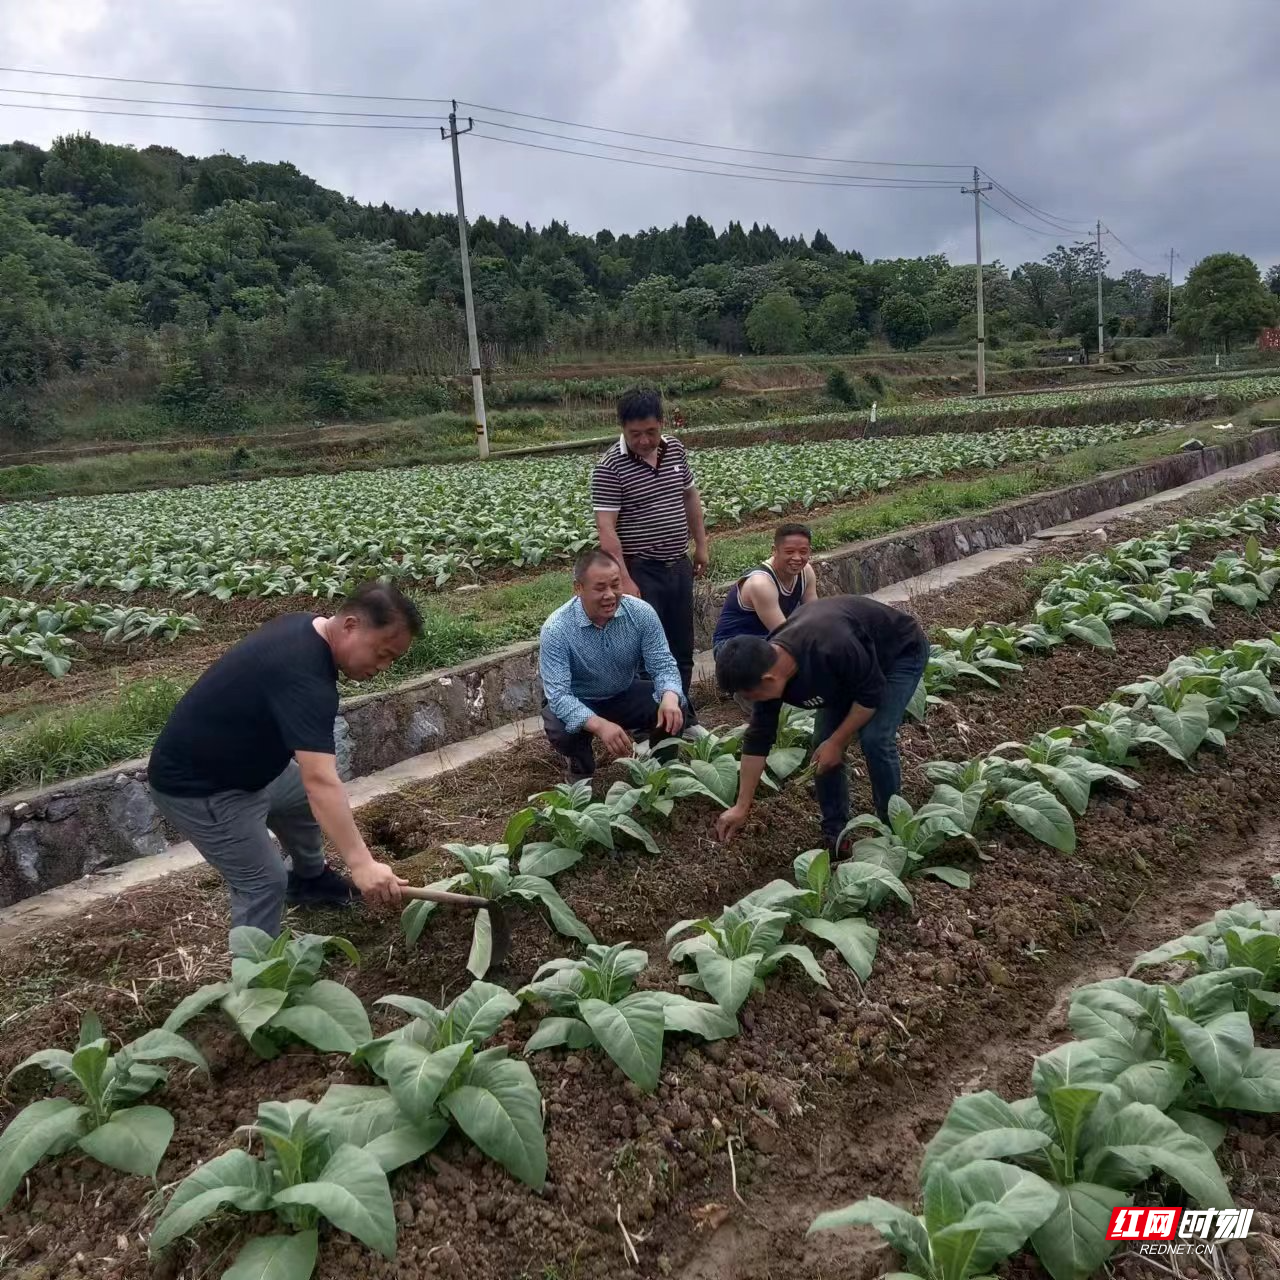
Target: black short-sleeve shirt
[{"x": 237, "y": 727}]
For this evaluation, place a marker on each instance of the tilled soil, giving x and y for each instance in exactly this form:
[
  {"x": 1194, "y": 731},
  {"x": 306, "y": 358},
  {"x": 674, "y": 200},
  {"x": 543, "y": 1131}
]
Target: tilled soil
[{"x": 825, "y": 1096}]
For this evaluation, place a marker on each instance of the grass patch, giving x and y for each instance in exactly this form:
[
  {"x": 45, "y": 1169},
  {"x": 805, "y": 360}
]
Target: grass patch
[{"x": 78, "y": 740}]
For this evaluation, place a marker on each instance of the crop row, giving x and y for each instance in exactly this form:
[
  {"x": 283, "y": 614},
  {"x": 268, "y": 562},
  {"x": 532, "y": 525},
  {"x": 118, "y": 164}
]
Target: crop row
[
  {"x": 331, "y": 1159},
  {"x": 38, "y": 631},
  {"x": 1139, "y": 1092},
  {"x": 1242, "y": 389},
  {"x": 318, "y": 535}
]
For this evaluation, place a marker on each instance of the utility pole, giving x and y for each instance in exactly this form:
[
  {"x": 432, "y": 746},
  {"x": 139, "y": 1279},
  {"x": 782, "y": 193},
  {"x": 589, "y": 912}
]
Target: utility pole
[
  {"x": 473, "y": 343},
  {"x": 1168, "y": 302},
  {"x": 1099, "y": 290},
  {"x": 978, "y": 188}
]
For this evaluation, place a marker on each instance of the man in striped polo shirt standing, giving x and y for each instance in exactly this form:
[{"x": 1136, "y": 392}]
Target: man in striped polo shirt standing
[{"x": 647, "y": 506}]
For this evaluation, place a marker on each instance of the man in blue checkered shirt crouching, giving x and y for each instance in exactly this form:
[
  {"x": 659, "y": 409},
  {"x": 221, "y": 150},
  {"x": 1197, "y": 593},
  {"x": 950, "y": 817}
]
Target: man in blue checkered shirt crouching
[{"x": 592, "y": 652}]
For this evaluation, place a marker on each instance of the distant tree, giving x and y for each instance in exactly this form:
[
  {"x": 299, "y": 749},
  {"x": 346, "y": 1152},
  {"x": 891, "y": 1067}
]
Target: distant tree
[
  {"x": 775, "y": 325},
  {"x": 1034, "y": 284},
  {"x": 821, "y": 242},
  {"x": 1224, "y": 301},
  {"x": 905, "y": 321},
  {"x": 1273, "y": 279},
  {"x": 834, "y": 325}
]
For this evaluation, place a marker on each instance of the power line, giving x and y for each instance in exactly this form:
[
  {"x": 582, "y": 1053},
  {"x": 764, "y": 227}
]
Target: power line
[
  {"x": 713, "y": 146},
  {"x": 164, "y": 115},
  {"x": 1035, "y": 231},
  {"x": 216, "y": 106},
  {"x": 228, "y": 88},
  {"x": 1057, "y": 221},
  {"x": 867, "y": 184},
  {"x": 1129, "y": 248},
  {"x": 729, "y": 164}
]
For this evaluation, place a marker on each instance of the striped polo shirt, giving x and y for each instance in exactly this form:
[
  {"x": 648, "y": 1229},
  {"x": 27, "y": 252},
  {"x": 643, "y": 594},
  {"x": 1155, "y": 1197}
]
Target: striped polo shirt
[{"x": 652, "y": 520}]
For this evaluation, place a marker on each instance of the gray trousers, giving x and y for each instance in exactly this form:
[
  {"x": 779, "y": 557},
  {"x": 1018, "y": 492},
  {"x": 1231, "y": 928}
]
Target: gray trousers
[{"x": 230, "y": 829}]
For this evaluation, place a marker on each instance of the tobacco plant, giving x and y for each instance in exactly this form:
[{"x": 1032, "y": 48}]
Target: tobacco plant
[
  {"x": 274, "y": 996},
  {"x": 99, "y": 1117},
  {"x": 594, "y": 1004}
]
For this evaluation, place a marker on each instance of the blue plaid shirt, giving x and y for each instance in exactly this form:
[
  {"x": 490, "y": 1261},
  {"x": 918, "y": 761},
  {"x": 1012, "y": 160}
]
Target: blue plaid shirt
[{"x": 582, "y": 663}]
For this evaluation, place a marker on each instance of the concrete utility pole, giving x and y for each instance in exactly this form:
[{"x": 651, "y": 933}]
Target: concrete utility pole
[
  {"x": 978, "y": 188},
  {"x": 1168, "y": 302},
  {"x": 1099, "y": 290},
  {"x": 473, "y": 343}
]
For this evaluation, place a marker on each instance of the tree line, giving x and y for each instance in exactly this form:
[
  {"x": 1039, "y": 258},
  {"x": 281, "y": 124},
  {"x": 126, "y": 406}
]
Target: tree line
[{"x": 129, "y": 263}]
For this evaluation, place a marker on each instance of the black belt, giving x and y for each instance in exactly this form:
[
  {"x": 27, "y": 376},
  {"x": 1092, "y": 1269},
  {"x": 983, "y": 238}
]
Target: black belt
[{"x": 655, "y": 559}]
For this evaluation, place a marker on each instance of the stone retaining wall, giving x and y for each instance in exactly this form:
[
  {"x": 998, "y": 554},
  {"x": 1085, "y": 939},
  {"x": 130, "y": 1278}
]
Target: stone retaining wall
[{"x": 54, "y": 835}]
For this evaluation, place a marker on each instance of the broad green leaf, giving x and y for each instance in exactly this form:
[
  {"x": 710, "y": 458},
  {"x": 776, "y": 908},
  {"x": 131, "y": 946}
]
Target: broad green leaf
[
  {"x": 556, "y": 1033},
  {"x": 251, "y": 944},
  {"x": 1037, "y": 812},
  {"x": 630, "y": 1032},
  {"x": 414, "y": 1007},
  {"x": 1069, "y": 784},
  {"x": 953, "y": 876},
  {"x": 253, "y": 1008},
  {"x": 480, "y": 1010},
  {"x": 271, "y": 972},
  {"x": 90, "y": 1029},
  {"x": 1145, "y": 1137},
  {"x": 371, "y": 1119},
  {"x": 869, "y": 882},
  {"x": 57, "y": 1062},
  {"x": 1070, "y": 1107},
  {"x": 697, "y": 1017},
  {"x": 1023, "y": 1197},
  {"x": 1092, "y": 630},
  {"x": 1258, "y": 1086},
  {"x": 1210, "y": 1132},
  {"x": 133, "y": 1139},
  {"x": 626, "y": 823},
  {"x": 943, "y": 1203},
  {"x": 89, "y": 1066},
  {"x": 1219, "y": 1048},
  {"x": 197, "y": 1002},
  {"x": 854, "y": 939},
  {"x": 417, "y": 1076},
  {"x": 562, "y": 918},
  {"x": 802, "y": 956},
  {"x": 480, "y": 957},
  {"x": 327, "y": 1016},
  {"x": 233, "y": 1178},
  {"x": 903, "y": 1230},
  {"x": 49, "y": 1125},
  {"x": 719, "y": 778},
  {"x": 500, "y": 1109},
  {"x": 291, "y": 1257},
  {"x": 1070, "y": 1065},
  {"x": 784, "y": 761},
  {"x": 158, "y": 1045},
  {"x": 727, "y": 982},
  {"x": 352, "y": 1192},
  {"x": 980, "y": 1126},
  {"x": 1073, "y": 1242},
  {"x": 545, "y": 858}
]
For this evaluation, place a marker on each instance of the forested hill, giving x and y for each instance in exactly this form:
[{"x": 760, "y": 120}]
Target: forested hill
[{"x": 123, "y": 264}]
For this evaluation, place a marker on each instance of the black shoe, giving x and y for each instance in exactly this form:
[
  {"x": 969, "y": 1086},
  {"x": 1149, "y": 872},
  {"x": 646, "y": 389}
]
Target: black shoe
[{"x": 328, "y": 889}]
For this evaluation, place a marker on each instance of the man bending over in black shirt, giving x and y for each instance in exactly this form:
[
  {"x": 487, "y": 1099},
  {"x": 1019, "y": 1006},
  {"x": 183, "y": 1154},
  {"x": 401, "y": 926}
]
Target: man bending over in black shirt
[
  {"x": 249, "y": 749},
  {"x": 858, "y": 660}
]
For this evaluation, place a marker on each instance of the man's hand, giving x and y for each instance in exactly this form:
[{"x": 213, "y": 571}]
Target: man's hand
[
  {"x": 700, "y": 562},
  {"x": 670, "y": 716},
  {"x": 829, "y": 755},
  {"x": 379, "y": 886},
  {"x": 615, "y": 739},
  {"x": 629, "y": 587},
  {"x": 730, "y": 822}
]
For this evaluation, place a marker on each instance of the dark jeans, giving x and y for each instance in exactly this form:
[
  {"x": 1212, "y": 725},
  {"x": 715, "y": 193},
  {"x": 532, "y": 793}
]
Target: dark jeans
[
  {"x": 667, "y": 585},
  {"x": 634, "y": 709},
  {"x": 878, "y": 739},
  {"x": 230, "y": 830}
]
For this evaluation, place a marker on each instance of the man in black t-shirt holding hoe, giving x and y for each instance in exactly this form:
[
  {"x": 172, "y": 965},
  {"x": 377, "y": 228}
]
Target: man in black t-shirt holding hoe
[
  {"x": 250, "y": 750},
  {"x": 857, "y": 659}
]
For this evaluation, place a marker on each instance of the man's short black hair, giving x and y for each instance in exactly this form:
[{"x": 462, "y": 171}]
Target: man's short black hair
[
  {"x": 639, "y": 404},
  {"x": 792, "y": 531},
  {"x": 741, "y": 663},
  {"x": 589, "y": 559},
  {"x": 382, "y": 604}
]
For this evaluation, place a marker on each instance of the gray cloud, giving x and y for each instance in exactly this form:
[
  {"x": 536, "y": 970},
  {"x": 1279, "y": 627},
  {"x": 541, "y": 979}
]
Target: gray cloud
[{"x": 1157, "y": 115}]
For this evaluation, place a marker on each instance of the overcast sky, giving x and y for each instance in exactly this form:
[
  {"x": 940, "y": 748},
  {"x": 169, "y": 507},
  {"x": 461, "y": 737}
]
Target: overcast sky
[{"x": 1160, "y": 116}]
